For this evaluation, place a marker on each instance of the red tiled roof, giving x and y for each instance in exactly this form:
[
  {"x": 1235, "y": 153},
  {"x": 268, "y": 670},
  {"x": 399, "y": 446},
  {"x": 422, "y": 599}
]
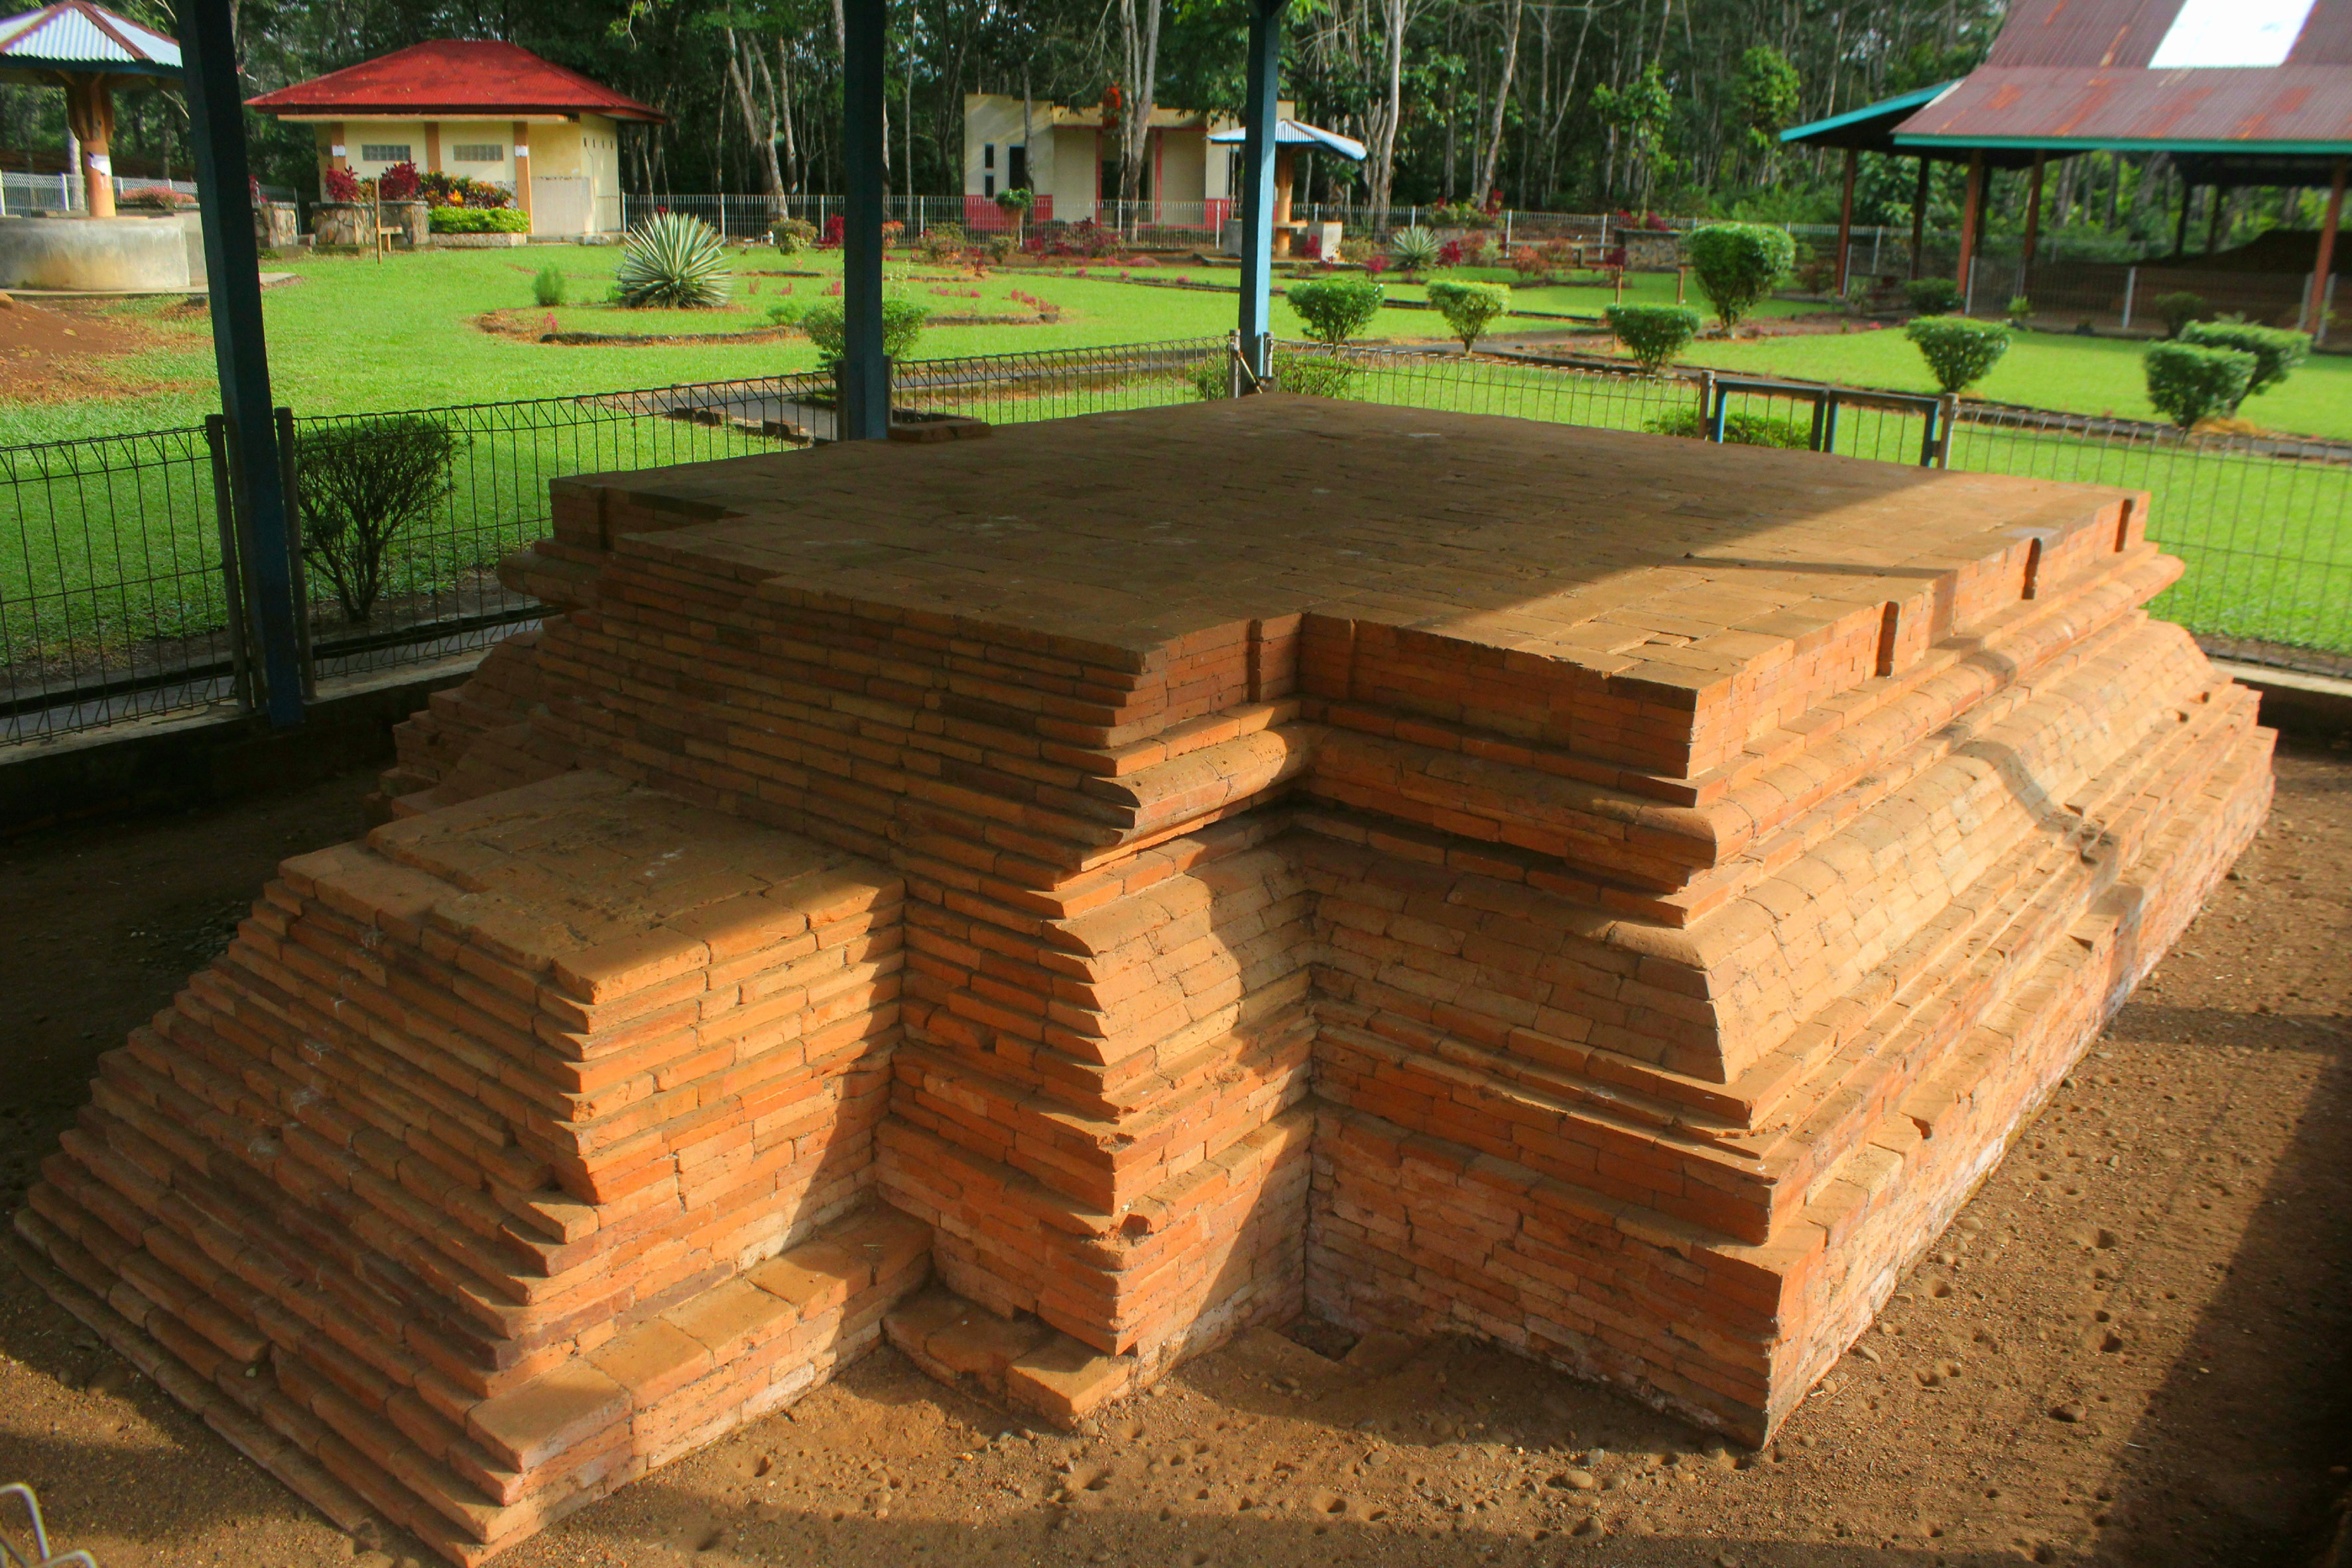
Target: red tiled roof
[{"x": 454, "y": 77}]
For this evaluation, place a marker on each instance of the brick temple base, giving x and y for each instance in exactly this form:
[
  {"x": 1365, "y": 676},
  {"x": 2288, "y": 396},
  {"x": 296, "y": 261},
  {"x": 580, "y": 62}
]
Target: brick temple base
[{"x": 1150, "y": 874}]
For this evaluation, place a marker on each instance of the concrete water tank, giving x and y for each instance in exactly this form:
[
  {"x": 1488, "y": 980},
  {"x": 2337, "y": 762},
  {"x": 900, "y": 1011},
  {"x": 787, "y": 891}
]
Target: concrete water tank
[{"x": 129, "y": 255}]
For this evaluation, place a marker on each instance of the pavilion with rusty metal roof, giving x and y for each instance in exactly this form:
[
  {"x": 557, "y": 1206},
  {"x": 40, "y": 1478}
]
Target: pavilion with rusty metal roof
[{"x": 2238, "y": 92}]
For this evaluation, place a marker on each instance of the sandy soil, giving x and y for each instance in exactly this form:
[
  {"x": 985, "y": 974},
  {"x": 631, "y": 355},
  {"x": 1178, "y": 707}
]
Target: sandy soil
[{"x": 2131, "y": 1349}]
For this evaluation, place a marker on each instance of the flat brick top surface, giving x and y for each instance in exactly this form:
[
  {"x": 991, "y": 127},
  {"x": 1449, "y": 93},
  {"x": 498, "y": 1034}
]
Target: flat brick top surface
[
  {"x": 608, "y": 886},
  {"x": 1115, "y": 536}
]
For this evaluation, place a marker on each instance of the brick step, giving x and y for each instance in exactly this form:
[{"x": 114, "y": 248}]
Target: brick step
[
  {"x": 473, "y": 1481},
  {"x": 1510, "y": 794},
  {"x": 1033, "y": 1367}
]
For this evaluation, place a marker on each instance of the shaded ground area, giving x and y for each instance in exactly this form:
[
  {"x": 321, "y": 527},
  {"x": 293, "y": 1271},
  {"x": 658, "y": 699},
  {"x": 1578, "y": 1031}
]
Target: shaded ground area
[{"x": 2130, "y": 1350}]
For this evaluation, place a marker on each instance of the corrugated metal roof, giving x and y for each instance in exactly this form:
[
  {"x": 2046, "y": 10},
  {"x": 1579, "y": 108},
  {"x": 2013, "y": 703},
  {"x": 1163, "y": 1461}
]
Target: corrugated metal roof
[
  {"x": 2277, "y": 108},
  {"x": 454, "y": 77},
  {"x": 74, "y": 35},
  {"x": 2111, "y": 33}
]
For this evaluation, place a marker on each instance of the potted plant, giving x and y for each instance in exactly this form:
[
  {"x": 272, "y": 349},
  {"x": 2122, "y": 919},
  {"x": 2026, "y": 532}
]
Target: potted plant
[{"x": 1017, "y": 203}]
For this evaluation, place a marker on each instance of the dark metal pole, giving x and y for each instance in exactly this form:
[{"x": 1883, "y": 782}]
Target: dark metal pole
[
  {"x": 231, "y": 261},
  {"x": 1260, "y": 115},
  {"x": 865, "y": 380},
  {"x": 1846, "y": 222}
]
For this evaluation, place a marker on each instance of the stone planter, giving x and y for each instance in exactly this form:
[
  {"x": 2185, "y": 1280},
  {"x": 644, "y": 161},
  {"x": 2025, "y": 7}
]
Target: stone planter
[
  {"x": 478, "y": 242},
  {"x": 277, "y": 226},
  {"x": 413, "y": 219},
  {"x": 341, "y": 223},
  {"x": 1649, "y": 250}
]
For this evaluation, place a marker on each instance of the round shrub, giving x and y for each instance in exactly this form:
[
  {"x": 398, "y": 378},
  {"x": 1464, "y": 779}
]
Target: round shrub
[
  {"x": 1469, "y": 308},
  {"x": 2188, "y": 384},
  {"x": 2275, "y": 349},
  {"x": 902, "y": 323},
  {"x": 1738, "y": 264},
  {"x": 2177, "y": 310},
  {"x": 1932, "y": 296},
  {"x": 792, "y": 236},
  {"x": 1959, "y": 352},
  {"x": 1313, "y": 375},
  {"x": 943, "y": 243},
  {"x": 1653, "y": 334},
  {"x": 1335, "y": 309},
  {"x": 673, "y": 260}
]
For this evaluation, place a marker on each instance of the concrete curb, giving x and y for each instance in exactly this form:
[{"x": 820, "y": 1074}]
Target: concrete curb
[
  {"x": 2296, "y": 703},
  {"x": 187, "y": 760}
]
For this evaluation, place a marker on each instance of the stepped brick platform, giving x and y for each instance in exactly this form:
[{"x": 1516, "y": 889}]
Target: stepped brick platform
[{"x": 1152, "y": 874}]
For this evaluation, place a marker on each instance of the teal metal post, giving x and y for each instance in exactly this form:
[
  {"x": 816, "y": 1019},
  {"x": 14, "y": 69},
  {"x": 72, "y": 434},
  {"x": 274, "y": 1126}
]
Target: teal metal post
[
  {"x": 232, "y": 261},
  {"x": 864, "y": 375},
  {"x": 1260, "y": 115}
]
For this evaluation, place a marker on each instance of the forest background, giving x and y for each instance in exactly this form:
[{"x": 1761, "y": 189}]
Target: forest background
[{"x": 1633, "y": 106}]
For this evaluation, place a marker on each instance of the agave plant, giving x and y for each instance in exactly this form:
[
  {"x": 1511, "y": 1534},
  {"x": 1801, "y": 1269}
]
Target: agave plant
[
  {"x": 673, "y": 260},
  {"x": 1415, "y": 248}
]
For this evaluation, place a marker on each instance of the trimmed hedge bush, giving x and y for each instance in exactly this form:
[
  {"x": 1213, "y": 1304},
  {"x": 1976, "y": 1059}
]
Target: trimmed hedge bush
[
  {"x": 2188, "y": 384},
  {"x": 1312, "y": 375},
  {"x": 1469, "y": 308},
  {"x": 1653, "y": 334},
  {"x": 480, "y": 221},
  {"x": 792, "y": 236},
  {"x": 1737, "y": 265},
  {"x": 1959, "y": 352},
  {"x": 2177, "y": 310},
  {"x": 2275, "y": 349},
  {"x": 1932, "y": 296},
  {"x": 902, "y": 323},
  {"x": 1739, "y": 429},
  {"x": 1337, "y": 308},
  {"x": 361, "y": 483}
]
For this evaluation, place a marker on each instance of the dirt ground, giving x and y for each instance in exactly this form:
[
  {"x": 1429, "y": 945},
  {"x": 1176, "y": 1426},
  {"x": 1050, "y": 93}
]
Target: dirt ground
[
  {"x": 2131, "y": 1349},
  {"x": 74, "y": 350}
]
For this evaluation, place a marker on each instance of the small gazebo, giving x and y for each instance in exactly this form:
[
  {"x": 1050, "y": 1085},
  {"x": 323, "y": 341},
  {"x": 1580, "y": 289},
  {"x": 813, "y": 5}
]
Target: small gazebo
[
  {"x": 1290, "y": 136},
  {"x": 89, "y": 51}
]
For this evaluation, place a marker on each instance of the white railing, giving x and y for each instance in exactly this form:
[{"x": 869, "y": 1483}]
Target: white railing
[{"x": 22, "y": 195}]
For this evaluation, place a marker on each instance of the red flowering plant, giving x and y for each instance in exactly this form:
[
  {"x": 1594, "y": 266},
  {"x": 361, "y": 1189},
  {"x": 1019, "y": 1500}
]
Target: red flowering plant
[
  {"x": 399, "y": 182},
  {"x": 1449, "y": 253},
  {"x": 341, "y": 186}
]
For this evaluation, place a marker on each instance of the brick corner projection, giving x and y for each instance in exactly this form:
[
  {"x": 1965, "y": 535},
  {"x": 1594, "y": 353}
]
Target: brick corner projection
[{"x": 1063, "y": 899}]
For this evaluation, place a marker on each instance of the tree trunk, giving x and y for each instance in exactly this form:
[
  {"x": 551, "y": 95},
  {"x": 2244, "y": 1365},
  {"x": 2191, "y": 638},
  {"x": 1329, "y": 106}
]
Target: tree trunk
[
  {"x": 763, "y": 136},
  {"x": 1491, "y": 158},
  {"x": 1391, "y": 111},
  {"x": 1139, "y": 35}
]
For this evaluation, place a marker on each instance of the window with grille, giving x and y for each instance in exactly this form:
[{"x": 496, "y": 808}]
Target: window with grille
[
  {"x": 383, "y": 152},
  {"x": 479, "y": 153}
]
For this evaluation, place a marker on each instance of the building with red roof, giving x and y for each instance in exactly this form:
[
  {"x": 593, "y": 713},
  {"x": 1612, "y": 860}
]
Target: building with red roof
[{"x": 478, "y": 107}]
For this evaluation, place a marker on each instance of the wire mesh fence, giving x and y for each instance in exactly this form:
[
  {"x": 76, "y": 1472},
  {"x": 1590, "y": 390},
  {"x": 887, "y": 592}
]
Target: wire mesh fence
[
  {"x": 120, "y": 565},
  {"x": 114, "y": 581}
]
